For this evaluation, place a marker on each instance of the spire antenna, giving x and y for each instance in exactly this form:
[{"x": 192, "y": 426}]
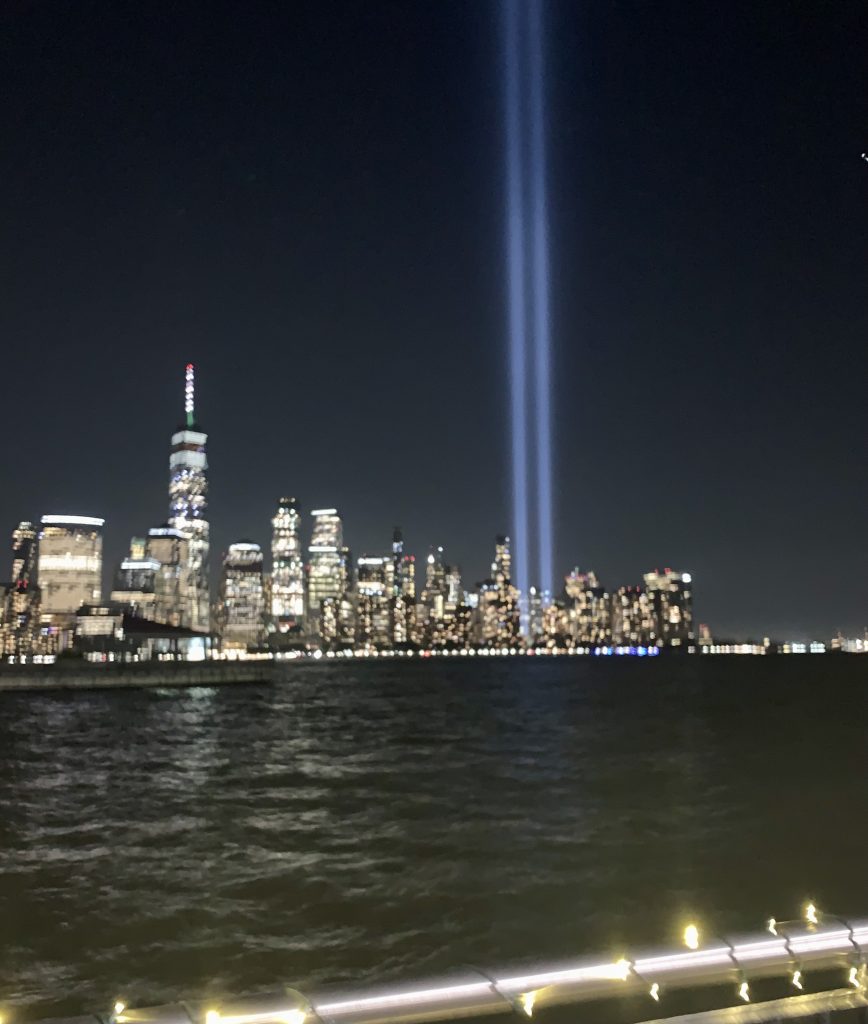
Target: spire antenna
[{"x": 189, "y": 389}]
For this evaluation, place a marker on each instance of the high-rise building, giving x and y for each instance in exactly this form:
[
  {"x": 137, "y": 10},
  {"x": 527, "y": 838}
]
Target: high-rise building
[
  {"x": 374, "y": 601},
  {"x": 434, "y": 594},
  {"x": 496, "y": 616},
  {"x": 633, "y": 619},
  {"x": 501, "y": 567},
  {"x": 507, "y": 595},
  {"x": 242, "y": 598},
  {"x": 444, "y": 616},
  {"x": 19, "y": 612},
  {"x": 346, "y": 574},
  {"x": 408, "y": 577},
  {"x": 170, "y": 548},
  {"x": 327, "y": 568},
  {"x": 329, "y": 612},
  {"x": 672, "y": 599},
  {"x": 23, "y": 555},
  {"x": 487, "y": 615},
  {"x": 397, "y": 562},
  {"x": 188, "y": 506},
  {"x": 454, "y": 592},
  {"x": 431, "y": 610},
  {"x": 135, "y": 581},
  {"x": 556, "y": 625},
  {"x": 588, "y": 609},
  {"x": 70, "y": 563},
  {"x": 287, "y": 572},
  {"x": 535, "y": 613}
]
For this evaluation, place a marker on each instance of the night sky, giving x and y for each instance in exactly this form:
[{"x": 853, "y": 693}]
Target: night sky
[{"x": 306, "y": 200}]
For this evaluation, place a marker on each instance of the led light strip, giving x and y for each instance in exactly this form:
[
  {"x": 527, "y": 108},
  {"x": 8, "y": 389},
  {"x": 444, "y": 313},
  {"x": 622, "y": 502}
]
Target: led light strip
[{"x": 836, "y": 948}]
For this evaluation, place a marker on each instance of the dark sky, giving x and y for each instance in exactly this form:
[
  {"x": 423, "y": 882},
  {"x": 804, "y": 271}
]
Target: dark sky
[{"x": 306, "y": 199}]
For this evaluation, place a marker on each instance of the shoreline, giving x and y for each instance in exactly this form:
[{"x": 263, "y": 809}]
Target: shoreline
[{"x": 86, "y": 676}]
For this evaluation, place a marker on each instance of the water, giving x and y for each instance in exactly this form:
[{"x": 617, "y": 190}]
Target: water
[{"x": 395, "y": 819}]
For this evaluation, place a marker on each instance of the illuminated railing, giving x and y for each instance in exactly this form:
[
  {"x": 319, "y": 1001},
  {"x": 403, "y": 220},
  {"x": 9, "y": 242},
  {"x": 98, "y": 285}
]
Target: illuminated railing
[{"x": 788, "y": 950}]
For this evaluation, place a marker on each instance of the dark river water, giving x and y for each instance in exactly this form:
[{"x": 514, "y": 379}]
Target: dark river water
[{"x": 378, "y": 820}]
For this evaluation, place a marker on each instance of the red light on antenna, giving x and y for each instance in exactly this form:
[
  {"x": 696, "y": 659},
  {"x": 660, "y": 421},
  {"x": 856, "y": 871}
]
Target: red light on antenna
[{"x": 189, "y": 366}]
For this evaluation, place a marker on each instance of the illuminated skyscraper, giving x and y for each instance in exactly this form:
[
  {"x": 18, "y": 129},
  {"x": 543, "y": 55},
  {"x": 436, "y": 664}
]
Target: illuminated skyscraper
[
  {"x": 671, "y": 594},
  {"x": 373, "y": 588},
  {"x": 397, "y": 561},
  {"x": 23, "y": 555},
  {"x": 434, "y": 594},
  {"x": 70, "y": 563},
  {"x": 507, "y": 594},
  {"x": 403, "y": 582},
  {"x": 135, "y": 581},
  {"x": 19, "y": 614},
  {"x": 408, "y": 577},
  {"x": 188, "y": 505},
  {"x": 169, "y": 547},
  {"x": 633, "y": 620},
  {"x": 496, "y": 616},
  {"x": 487, "y": 615},
  {"x": 588, "y": 609},
  {"x": 501, "y": 567},
  {"x": 454, "y": 592},
  {"x": 242, "y": 598},
  {"x": 556, "y": 625},
  {"x": 447, "y": 620},
  {"x": 327, "y": 572},
  {"x": 535, "y": 613},
  {"x": 287, "y": 573}
]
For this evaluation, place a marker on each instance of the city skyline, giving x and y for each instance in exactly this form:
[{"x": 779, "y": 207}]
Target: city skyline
[
  {"x": 292, "y": 593},
  {"x": 333, "y": 260}
]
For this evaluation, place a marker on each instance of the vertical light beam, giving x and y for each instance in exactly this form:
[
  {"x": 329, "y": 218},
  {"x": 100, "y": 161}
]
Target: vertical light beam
[
  {"x": 517, "y": 313},
  {"x": 540, "y": 294}
]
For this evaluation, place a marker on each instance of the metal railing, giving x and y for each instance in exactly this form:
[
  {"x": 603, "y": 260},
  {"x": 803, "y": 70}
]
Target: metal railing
[{"x": 821, "y": 943}]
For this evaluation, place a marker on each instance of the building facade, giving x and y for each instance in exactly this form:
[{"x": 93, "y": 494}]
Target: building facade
[
  {"x": 633, "y": 619},
  {"x": 286, "y": 602},
  {"x": 170, "y": 548},
  {"x": 588, "y": 610},
  {"x": 70, "y": 563},
  {"x": 374, "y": 587},
  {"x": 327, "y": 565},
  {"x": 671, "y": 595},
  {"x": 507, "y": 595},
  {"x": 242, "y": 596},
  {"x": 135, "y": 582},
  {"x": 20, "y": 608}
]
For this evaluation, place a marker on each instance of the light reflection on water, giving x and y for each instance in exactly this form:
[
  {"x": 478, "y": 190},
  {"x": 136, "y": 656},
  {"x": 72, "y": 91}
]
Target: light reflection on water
[{"x": 395, "y": 819}]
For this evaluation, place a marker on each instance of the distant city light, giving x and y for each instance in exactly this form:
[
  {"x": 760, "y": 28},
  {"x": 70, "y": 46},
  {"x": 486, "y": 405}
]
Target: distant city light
[{"x": 72, "y": 521}]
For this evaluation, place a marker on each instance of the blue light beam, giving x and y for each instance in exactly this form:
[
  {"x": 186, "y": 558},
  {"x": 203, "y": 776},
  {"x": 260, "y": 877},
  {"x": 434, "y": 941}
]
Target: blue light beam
[
  {"x": 516, "y": 271},
  {"x": 540, "y": 290}
]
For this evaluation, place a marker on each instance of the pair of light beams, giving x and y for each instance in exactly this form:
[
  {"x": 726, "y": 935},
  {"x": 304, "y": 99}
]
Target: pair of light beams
[{"x": 527, "y": 257}]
